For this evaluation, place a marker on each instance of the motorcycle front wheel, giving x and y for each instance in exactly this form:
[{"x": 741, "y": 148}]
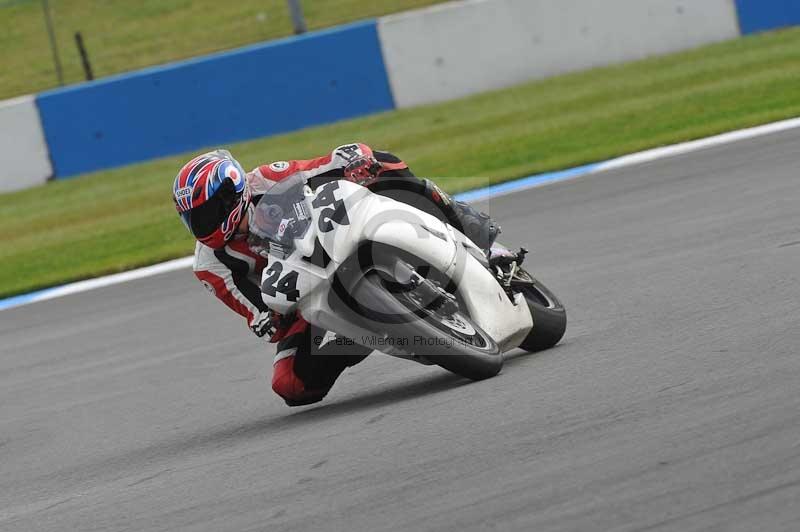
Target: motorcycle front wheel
[{"x": 549, "y": 315}]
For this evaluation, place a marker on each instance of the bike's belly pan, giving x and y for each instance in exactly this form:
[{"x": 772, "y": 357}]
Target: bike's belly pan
[{"x": 508, "y": 323}]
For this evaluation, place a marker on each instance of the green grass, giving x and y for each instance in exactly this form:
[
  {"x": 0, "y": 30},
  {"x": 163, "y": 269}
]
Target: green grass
[
  {"x": 115, "y": 220},
  {"x": 123, "y": 35}
]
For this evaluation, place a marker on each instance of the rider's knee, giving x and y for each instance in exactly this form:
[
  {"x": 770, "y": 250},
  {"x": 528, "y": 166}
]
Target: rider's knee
[{"x": 288, "y": 385}]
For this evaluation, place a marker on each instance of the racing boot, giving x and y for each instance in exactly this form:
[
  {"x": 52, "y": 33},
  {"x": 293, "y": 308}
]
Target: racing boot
[
  {"x": 476, "y": 225},
  {"x": 501, "y": 256}
]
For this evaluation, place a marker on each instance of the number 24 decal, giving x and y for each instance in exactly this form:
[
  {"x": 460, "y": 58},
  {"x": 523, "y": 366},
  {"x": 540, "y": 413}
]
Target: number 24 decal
[
  {"x": 334, "y": 210},
  {"x": 286, "y": 285}
]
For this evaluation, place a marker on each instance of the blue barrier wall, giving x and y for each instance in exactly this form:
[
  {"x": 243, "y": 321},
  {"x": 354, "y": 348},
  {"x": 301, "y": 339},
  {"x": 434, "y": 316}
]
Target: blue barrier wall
[
  {"x": 251, "y": 92},
  {"x": 762, "y": 15}
]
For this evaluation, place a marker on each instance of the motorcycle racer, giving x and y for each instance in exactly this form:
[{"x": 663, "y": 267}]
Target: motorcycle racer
[{"x": 214, "y": 197}]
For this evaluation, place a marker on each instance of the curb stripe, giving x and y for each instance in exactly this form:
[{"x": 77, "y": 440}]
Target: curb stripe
[{"x": 540, "y": 180}]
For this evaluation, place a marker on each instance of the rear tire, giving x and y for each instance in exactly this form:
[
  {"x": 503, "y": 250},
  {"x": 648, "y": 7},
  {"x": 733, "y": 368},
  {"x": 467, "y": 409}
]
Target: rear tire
[
  {"x": 549, "y": 315},
  {"x": 450, "y": 340}
]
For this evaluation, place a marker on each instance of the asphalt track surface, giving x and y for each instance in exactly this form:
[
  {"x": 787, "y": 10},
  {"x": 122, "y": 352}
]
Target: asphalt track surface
[{"x": 673, "y": 402}]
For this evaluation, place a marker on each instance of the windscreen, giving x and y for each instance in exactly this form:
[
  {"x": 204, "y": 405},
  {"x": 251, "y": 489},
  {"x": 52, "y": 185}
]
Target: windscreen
[{"x": 280, "y": 217}]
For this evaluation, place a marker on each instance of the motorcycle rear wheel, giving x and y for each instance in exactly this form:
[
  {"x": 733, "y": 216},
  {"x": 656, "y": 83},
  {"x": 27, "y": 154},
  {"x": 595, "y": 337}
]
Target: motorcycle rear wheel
[{"x": 450, "y": 340}]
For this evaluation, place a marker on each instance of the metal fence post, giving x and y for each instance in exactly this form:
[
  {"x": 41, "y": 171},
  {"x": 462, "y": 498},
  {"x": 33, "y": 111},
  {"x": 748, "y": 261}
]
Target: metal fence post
[
  {"x": 87, "y": 66},
  {"x": 53, "y": 45},
  {"x": 299, "y": 21}
]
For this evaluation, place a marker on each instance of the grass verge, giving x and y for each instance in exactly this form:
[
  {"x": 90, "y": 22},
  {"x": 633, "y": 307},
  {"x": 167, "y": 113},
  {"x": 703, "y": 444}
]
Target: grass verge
[
  {"x": 123, "y": 35},
  {"x": 116, "y": 220}
]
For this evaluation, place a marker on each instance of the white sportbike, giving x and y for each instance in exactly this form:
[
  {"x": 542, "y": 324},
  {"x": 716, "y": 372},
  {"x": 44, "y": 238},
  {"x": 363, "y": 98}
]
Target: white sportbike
[{"x": 390, "y": 277}]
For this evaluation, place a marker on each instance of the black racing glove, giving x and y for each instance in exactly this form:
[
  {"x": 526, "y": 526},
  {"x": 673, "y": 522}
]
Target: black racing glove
[{"x": 265, "y": 323}]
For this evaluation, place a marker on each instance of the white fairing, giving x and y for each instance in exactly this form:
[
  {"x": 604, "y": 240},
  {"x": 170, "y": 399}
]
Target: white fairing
[{"x": 370, "y": 217}]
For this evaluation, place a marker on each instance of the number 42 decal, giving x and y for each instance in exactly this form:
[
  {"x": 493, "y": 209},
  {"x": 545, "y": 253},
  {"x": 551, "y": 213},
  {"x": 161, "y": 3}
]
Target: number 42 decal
[{"x": 274, "y": 283}]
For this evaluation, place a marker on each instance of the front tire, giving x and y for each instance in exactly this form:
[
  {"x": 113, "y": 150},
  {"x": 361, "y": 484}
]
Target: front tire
[{"x": 549, "y": 315}]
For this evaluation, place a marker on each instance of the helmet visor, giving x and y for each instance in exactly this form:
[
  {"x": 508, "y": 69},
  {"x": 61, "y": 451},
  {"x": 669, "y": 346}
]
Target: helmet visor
[{"x": 208, "y": 217}]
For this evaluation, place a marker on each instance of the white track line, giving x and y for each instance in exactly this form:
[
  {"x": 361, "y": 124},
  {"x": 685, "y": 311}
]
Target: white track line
[
  {"x": 694, "y": 145},
  {"x": 91, "y": 284},
  {"x": 475, "y": 195},
  {"x": 512, "y": 187}
]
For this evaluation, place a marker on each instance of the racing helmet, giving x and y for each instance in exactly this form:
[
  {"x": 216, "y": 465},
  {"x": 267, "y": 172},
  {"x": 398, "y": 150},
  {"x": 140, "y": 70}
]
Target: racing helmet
[{"x": 211, "y": 196}]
